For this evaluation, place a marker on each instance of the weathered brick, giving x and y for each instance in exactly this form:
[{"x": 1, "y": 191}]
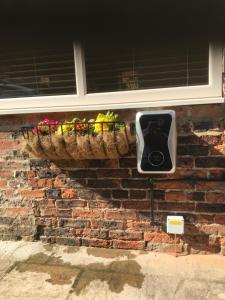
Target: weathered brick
[
  {"x": 113, "y": 173},
  {"x": 185, "y": 162},
  {"x": 69, "y": 193},
  {"x": 210, "y": 208},
  {"x": 196, "y": 196},
  {"x": 189, "y": 140},
  {"x": 140, "y": 204},
  {"x": 210, "y": 162},
  {"x": 13, "y": 212},
  {"x": 176, "y": 206},
  {"x": 210, "y": 186},
  {"x": 125, "y": 235},
  {"x": 95, "y": 243},
  {"x": 176, "y": 196},
  {"x": 102, "y": 183},
  {"x": 64, "y": 213},
  {"x": 118, "y": 194},
  {"x": 108, "y": 224},
  {"x": 121, "y": 214},
  {"x": 68, "y": 241},
  {"x": 128, "y": 162},
  {"x": 138, "y": 194},
  {"x": 175, "y": 185},
  {"x": 135, "y": 183},
  {"x": 70, "y": 203},
  {"x": 219, "y": 219},
  {"x": 104, "y": 204},
  {"x": 121, "y": 244},
  {"x": 53, "y": 193},
  {"x": 217, "y": 174},
  {"x": 98, "y": 233},
  {"x": 215, "y": 197},
  {"x": 3, "y": 183},
  {"x": 60, "y": 182},
  {"x": 86, "y": 213},
  {"x": 32, "y": 193},
  {"x": 48, "y": 212},
  {"x": 194, "y": 150},
  {"x": 83, "y": 173},
  {"x": 159, "y": 237},
  {"x": 74, "y": 223}
]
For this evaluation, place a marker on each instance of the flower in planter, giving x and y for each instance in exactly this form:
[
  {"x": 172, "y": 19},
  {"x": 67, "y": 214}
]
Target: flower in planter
[
  {"x": 46, "y": 126},
  {"x": 108, "y": 117}
]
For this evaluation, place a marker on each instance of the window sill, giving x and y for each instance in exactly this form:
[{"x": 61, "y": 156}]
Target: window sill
[{"x": 52, "y": 106}]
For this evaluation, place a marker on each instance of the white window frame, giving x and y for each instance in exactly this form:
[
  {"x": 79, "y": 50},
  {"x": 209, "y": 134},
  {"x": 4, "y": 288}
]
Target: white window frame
[{"x": 186, "y": 95}]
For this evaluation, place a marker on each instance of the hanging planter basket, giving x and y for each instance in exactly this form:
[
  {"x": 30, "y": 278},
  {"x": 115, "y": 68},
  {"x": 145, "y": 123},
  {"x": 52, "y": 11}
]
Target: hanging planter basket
[{"x": 112, "y": 140}]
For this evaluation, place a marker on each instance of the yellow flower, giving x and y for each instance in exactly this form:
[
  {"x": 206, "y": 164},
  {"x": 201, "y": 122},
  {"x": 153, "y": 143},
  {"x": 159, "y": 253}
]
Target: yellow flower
[{"x": 65, "y": 128}]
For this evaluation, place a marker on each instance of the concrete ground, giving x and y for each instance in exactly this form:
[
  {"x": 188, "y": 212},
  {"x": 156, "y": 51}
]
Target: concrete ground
[{"x": 38, "y": 271}]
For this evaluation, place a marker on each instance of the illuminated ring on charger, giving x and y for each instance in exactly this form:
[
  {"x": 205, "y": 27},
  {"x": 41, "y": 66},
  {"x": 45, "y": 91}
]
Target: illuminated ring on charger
[{"x": 161, "y": 158}]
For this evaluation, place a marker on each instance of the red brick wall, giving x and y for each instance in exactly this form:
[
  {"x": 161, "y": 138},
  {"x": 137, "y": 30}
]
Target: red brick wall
[{"x": 105, "y": 203}]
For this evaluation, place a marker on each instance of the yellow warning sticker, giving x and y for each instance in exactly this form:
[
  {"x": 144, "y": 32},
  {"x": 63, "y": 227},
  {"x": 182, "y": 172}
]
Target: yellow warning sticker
[{"x": 175, "y": 222}]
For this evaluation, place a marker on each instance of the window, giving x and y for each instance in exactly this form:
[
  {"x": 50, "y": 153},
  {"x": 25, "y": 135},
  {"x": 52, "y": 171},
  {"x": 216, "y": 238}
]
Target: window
[
  {"x": 70, "y": 76},
  {"x": 111, "y": 67}
]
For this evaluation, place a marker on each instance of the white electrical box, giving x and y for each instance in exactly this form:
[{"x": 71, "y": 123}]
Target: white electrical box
[{"x": 175, "y": 224}]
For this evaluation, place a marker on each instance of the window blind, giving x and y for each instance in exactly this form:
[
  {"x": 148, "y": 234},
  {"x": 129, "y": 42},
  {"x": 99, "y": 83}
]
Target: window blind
[
  {"x": 120, "y": 66},
  {"x": 37, "y": 71}
]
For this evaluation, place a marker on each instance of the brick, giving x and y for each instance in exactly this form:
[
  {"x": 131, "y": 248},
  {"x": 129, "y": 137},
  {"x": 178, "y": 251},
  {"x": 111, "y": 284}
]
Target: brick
[
  {"x": 32, "y": 193},
  {"x": 188, "y": 140},
  {"x": 137, "y": 194},
  {"x": 176, "y": 206},
  {"x": 108, "y": 224},
  {"x": 102, "y": 194},
  {"x": 86, "y": 213},
  {"x": 4, "y": 174},
  {"x": 215, "y": 197},
  {"x": 53, "y": 193},
  {"x": 185, "y": 162},
  {"x": 210, "y": 162},
  {"x": 188, "y": 173},
  {"x": 159, "y": 237},
  {"x": 69, "y": 193},
  {"x": 219, "y": 219},
  {"x": 42, "y": 183},
  {"x": 83, "y": 173},
  {"x": 135, "y": 184},
  {"x": 140, "y": 204},
  {"x": 196, "y": 196},
  {"x": 121, "y": 214},
  {"x": 175, "y": 185},
  {"x": 210, "y": 208},
  {"x": 128, "y": 162},
  {"x": 74, "y": 223},
  {"x": 137, "y": 175},
  {"x": 64, "y": 213},
  {"x": 48, "y": 212},
  {"x": 13, "y": 212},
  {"x": 213, "y": 229},
  {"x": 86, "y": 194},
  {"x": 70, "y": 203},
  {"x": 217, "y": 174},
  {"x": 194, "y": 150},
  {"x": 118, "y": 194},
  {"x": 120, "y": 244},
  {"x": 98, "y": 233},
  {"x": 210, "y": 186},
  {"x": 222, "y": 241},
  {"x": 125, "y": 235},
  {"x": 95, "y": 243},
  {"x": 68, "y": 241},
  {"x": 102, "y": 183},
  {"x": 175, "y": 196},
  {"x": 104, "y": 204},
  {"x": 141, "y": 225},
  {"x": 3, "y": 183},
  {"x": 113, "y": 173},
  {"x": 60, "y": 182}
]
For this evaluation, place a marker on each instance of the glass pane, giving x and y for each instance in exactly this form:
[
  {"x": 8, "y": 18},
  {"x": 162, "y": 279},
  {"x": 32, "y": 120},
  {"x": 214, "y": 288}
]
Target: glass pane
[
  {"x": 133, "y": 66},
  {"x": 42, "y": 70}
]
